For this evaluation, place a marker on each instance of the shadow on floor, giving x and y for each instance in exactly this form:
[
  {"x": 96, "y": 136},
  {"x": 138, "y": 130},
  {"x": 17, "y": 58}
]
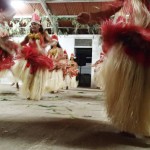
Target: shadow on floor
[{"x": 77, "y": 133}]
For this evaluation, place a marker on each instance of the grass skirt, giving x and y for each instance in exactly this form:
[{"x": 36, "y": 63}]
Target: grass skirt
[
  {"x": 98, "y": 77},
  {"x": 127, "y": 86},
  {"x": 3, "y": 72},
  {"x": 19, "y": 68},
  {"x": 54, "y": 80},
  {"x": 73, "y": 82},
  {"x": 67, "y": 81},
  {"x": 34, "y": 84}
]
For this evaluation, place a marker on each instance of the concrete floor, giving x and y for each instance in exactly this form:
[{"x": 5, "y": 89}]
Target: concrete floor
[{"x": 69, "y": 120}]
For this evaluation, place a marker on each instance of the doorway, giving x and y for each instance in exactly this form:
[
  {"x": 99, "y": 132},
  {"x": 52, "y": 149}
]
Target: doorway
[{"x": 84, "y": 60}]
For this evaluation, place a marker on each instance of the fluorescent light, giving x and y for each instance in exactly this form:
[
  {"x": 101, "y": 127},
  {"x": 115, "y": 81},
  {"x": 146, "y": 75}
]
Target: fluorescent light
[{"x": 17, "y": 4}]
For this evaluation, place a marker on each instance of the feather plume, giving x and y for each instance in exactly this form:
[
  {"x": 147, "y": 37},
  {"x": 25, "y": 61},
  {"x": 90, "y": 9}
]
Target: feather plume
[{"x": 135, "y": 39}]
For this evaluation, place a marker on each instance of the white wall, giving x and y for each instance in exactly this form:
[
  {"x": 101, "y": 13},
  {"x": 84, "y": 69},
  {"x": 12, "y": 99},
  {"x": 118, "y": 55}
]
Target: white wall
[{"x": 67, "y": 43}]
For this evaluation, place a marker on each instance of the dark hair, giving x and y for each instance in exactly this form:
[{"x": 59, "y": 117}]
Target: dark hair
[
  {"x": 58, "y": 45},
  {"x": 67, "y": 57},
  {"x": 41, "y": 30},
  {"x": 71, "y": 57}
]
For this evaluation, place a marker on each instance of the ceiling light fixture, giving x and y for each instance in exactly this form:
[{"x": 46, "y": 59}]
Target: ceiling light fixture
[{"x": 17, "y": 4}]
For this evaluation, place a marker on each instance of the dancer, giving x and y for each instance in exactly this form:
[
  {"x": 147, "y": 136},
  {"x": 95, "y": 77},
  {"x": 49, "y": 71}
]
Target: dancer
[
  {"x": 7, "y": 47},
  {"x": 126, "y": 42},
  {"x": 55, "y": 77},
  {"x": 98, "y": 70},
  {"x": 36, "y": 31},
  {"x": 73, "y": 71},
  {"x": 34, "y": 63},
  {"x": 66, "y": 75}
]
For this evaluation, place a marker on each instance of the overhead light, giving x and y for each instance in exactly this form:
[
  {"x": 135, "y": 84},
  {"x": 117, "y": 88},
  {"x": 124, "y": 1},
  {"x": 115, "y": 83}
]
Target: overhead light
[{"x": 17, "y": 4}]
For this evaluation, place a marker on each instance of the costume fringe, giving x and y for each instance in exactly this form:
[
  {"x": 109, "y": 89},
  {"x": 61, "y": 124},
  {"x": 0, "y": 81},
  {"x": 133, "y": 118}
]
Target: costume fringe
[{"x": 127, "y": 86}]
